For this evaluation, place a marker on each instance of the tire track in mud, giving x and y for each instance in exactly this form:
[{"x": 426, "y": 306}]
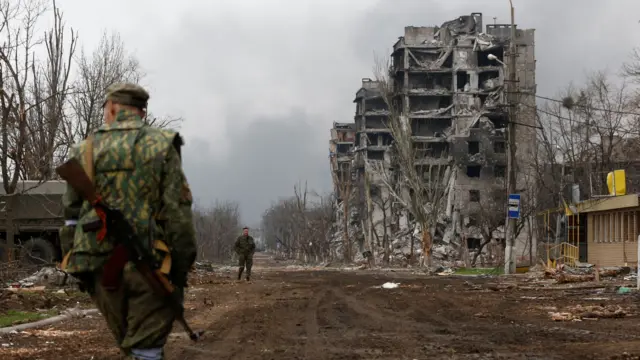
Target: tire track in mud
[
  {"x": 385, "y": 316},
  {"x": 313, "y": 343}
]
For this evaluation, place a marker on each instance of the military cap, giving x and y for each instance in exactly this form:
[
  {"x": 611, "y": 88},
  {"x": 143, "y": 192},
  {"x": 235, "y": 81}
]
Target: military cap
[{"x": 127, "y": 94}]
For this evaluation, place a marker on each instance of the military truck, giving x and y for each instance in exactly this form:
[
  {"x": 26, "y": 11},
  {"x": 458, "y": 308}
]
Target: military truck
[{"x": 36, "y": 214}]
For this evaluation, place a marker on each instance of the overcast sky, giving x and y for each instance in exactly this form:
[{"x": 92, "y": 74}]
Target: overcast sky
[{"x": 260, "y": 82}]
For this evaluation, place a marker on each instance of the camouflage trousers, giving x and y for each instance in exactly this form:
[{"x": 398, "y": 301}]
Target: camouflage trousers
[
  {"x": 137, "y": 317},
  {"x": 245, "y": 260}
]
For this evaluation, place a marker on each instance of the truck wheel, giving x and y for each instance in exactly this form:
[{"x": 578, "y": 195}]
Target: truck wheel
[{"x": 37, "y": 251}]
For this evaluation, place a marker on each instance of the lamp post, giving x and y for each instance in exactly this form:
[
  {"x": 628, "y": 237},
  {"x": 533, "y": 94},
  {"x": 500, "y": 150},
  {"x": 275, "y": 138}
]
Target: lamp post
[{"x": 512, "y": 103}]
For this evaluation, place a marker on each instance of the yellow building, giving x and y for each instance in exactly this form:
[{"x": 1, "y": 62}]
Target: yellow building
[{"x": 612, "y": 230}]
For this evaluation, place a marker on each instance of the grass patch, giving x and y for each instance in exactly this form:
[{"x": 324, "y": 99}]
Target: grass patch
[
  {"x": 479, "y": 271},
  {"x": 13, "y": 317}
]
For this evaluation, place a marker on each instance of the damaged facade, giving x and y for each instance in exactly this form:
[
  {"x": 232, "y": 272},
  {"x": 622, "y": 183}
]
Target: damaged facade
[
  {"x": 451, "y": 81},
  {"x": 341, "y": 154}
]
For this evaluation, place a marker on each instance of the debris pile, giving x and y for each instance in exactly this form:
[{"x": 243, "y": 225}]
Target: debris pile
[
  {"x": 579, "y": 313},
  {"x": 48, "y": 276},
  {"x": 564, "y": 274}
]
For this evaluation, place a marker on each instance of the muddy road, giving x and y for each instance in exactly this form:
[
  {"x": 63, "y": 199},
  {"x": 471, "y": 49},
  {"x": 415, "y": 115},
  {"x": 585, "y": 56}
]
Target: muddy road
[{"x": 289, "y": 313}]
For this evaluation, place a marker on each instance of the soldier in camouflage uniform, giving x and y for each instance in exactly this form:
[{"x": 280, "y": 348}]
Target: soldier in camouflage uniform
[
  {"x": 137, "y": 169},
  {"x": 245, "y": 247}
]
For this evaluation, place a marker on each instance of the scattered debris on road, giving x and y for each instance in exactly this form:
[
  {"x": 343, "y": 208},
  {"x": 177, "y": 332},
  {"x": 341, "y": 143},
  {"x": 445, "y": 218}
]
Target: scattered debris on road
[
  {"x": 390, "y": 285},
  {"x": 579, "y": 313}
]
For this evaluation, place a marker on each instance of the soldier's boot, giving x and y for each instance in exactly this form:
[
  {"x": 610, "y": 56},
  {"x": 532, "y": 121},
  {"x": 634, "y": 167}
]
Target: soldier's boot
[
  {"x": 240, "y": 273},
  {"x": 248, "y": 275}
]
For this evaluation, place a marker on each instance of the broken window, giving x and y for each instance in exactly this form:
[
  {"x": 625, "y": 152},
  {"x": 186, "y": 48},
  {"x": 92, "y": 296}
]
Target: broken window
[
  {"x": 375, "y": 104},
  {"x": 372, "y": 139},
  {"x": 472, "y": 221},
  {"x": 499, "y": 119},
  {"x": 387, "y": 139},
  {"x": 374, "y": 190},
  {"x": 483, "y": 56},
  {"x": 398, "y": 60},
  {"x": 500, "y": 147},
  {"x": 462, "y": 78},
  {"x": 489, "y": 79},
  {"x": 473, "y": 171},
  {"x": 343, "y": 148},
  {"x": 473, "y": 243},
  {"x": 474, "y": 195},
  {"x": 437, "y": 150},
  {"x": 430, "y": 127},
  {"x": 375, "y": 122},
  {"x": 499, "y": 171},
  {"x": 375, "y": 155},
  {"x": 448, "y": 62},
  {"x": 432, "y": 81},
  {"x": 474, "y": 147}
]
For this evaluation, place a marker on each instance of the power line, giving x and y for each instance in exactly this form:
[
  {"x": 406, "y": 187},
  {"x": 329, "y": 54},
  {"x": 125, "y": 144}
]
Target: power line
[
  {"x": 598, "y": 127},
  {"x": 620, "y": 112}
]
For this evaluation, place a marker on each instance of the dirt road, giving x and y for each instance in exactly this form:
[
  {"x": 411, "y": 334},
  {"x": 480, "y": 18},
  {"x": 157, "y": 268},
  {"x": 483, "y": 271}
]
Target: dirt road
[{"x": 294, "y": 314}]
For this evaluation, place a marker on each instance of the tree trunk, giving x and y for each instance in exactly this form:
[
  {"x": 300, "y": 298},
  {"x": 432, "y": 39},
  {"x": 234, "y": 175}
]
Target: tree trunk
[
  {"x": 426, "y": 245},
  {"x": 8, "y": 246},
  {"x": 347, "y": 242}
]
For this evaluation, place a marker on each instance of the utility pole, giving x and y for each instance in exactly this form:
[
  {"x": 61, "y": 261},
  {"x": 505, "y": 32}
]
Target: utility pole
[{"x": 510, "y": 253}]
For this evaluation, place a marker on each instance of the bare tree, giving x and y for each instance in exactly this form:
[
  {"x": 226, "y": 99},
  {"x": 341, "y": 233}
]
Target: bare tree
[
  {"x": 489, "y": 218},
  {"x": 49, "y": 92},
  {"x": 343, "y": 180},
  {"x": 18, "y": 21},
  {"x": 217, "y": 228},
  {"x": 589, "y": 132},
  {"x": 299, "y": 225},
  {"x": 631, "y": 68},
  {"x": 420, "y": 177},
  {"x": 384, "y": 203}
]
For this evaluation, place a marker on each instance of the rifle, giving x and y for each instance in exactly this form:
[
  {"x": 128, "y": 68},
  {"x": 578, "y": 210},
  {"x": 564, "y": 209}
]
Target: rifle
[{"x": 128, "y": 246}]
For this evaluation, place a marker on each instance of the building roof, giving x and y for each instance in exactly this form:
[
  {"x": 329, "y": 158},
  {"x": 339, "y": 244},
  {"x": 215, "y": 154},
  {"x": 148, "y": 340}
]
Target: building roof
[{"x": 608, "y": 203}]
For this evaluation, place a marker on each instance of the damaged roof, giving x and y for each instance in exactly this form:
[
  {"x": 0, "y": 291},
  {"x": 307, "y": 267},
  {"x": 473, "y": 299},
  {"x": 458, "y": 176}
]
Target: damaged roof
[{"x": 344, "y": 126}]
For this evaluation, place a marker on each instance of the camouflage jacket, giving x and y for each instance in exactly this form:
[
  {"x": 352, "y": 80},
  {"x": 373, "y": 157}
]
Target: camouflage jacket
[
  {"x": 138, "y": 170},
  {"x": 245, "y": 245}
]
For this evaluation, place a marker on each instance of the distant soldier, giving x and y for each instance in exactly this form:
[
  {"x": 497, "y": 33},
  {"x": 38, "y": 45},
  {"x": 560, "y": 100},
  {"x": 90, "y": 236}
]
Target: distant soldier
[
  {"x": 245, "y": 247},
  {"x": 137, "y": 169}
]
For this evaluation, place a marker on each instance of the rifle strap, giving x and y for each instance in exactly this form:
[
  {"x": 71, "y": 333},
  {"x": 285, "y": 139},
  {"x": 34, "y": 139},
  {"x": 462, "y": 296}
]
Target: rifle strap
[{"x": 89, "y": 169}]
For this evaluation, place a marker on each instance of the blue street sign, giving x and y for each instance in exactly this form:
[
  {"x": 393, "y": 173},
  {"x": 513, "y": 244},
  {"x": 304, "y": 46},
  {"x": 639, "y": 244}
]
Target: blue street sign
[{"x": 513, "y": 208}]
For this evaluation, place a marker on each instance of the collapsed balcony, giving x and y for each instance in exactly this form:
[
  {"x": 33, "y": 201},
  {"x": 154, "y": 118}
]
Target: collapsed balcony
[
  {"x": 430, "y": 58},
  {"x": 439, "y": 83},
  {"x": 429, "y": 104}
]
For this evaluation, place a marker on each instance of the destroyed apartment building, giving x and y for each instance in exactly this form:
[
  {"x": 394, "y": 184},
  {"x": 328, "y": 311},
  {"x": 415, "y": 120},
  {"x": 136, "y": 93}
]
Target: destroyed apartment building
[
  {"x": 341, "y": 155},
  {"x": 451, "y": 83}
]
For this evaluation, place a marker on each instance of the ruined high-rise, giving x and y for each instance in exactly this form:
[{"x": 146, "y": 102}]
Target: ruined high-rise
[{"x": 450, "y": 82}]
